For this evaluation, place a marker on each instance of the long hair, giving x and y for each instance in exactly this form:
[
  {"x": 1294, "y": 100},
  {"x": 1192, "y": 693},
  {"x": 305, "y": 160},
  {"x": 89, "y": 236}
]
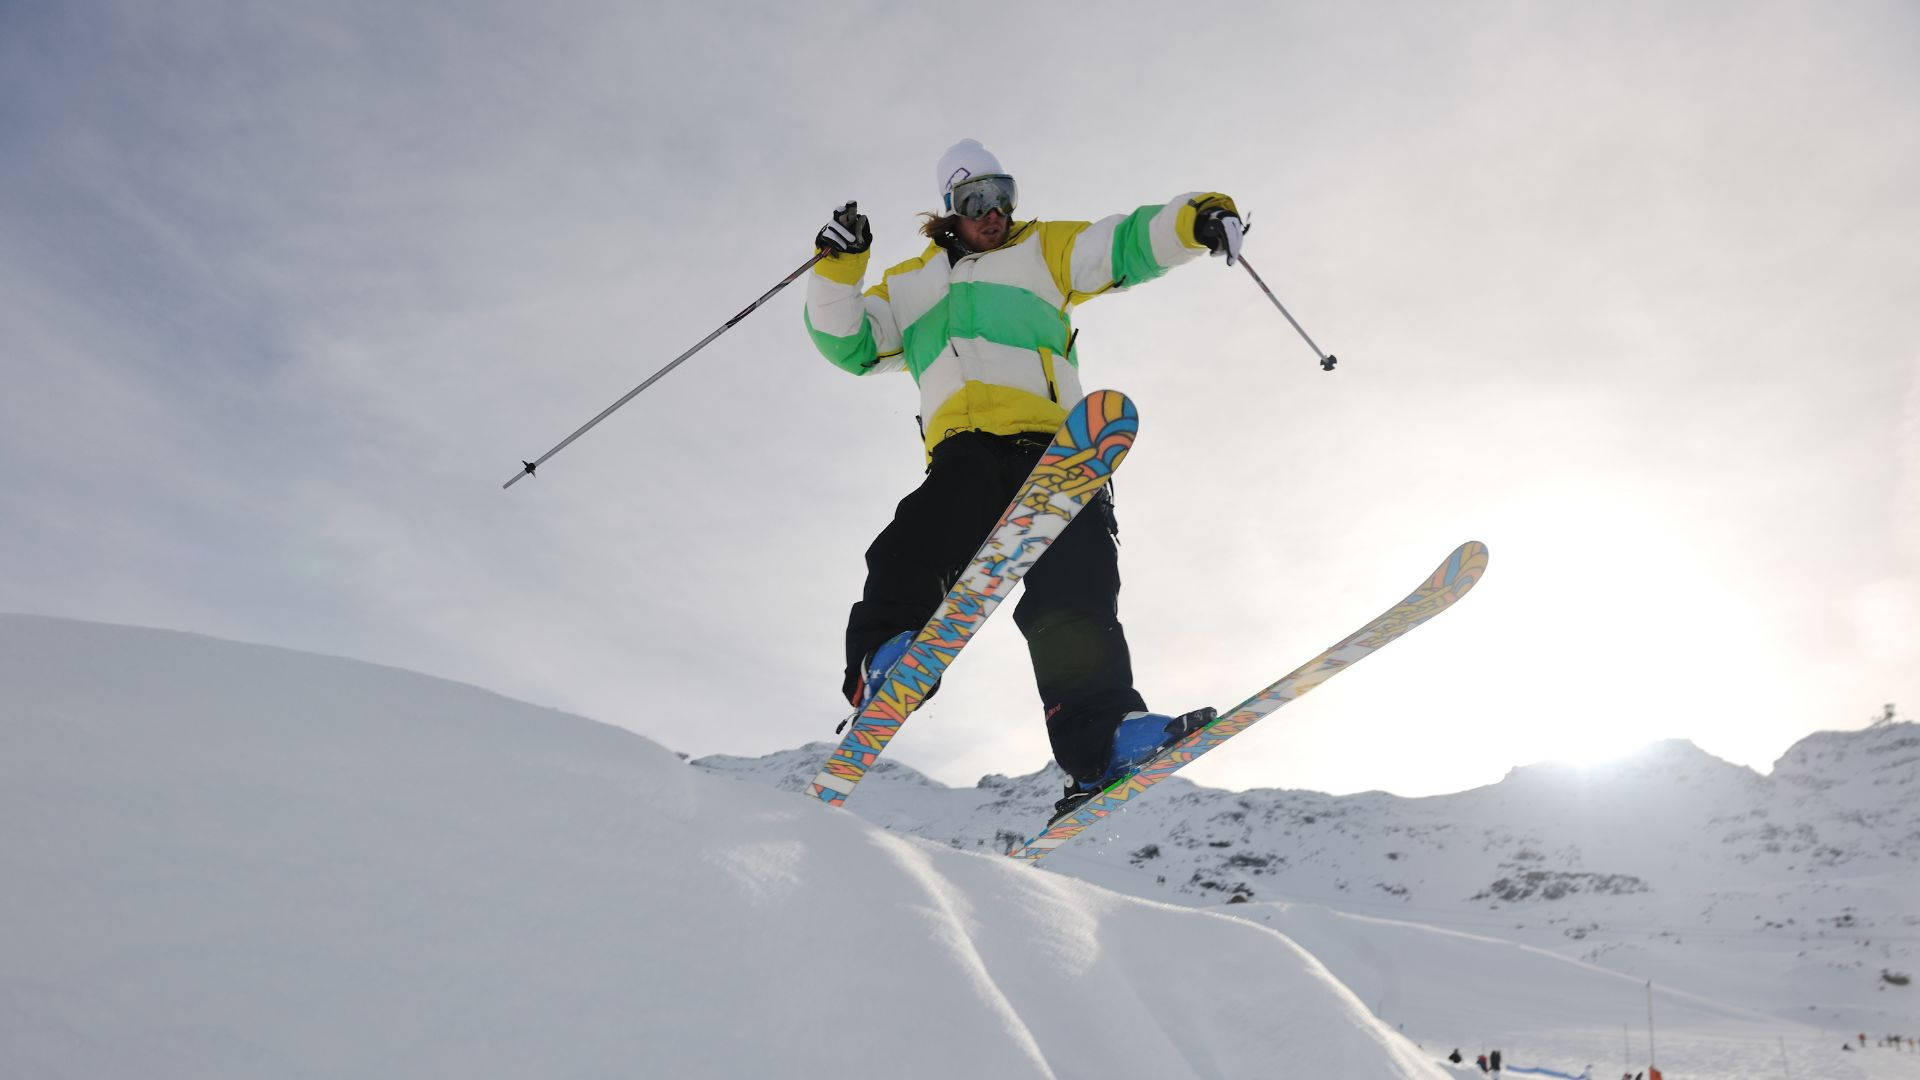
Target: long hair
[{"x": 942, "y": 229}]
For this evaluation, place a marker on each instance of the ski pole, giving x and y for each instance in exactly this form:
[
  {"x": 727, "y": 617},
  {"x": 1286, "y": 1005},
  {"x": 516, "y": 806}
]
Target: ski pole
[
  {"x": 1326, "y": 361},
  {"x": 529, "y": 466}
]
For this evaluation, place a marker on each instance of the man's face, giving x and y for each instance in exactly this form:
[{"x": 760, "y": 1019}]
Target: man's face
[{"x": 983, "y": 234}]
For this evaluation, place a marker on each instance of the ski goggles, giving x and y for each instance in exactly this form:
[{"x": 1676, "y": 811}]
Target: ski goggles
[{"x": 978, "y": 196}]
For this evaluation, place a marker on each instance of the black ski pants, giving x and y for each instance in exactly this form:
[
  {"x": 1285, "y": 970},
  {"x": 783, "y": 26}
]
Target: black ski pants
[{"x": 1069, "y": 613}]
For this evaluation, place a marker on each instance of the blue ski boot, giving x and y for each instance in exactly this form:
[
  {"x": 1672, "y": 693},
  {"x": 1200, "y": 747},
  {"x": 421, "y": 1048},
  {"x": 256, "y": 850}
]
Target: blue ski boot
[
  {"x": 1139, "y": 737},
  {"x": 873, "y": 673}
]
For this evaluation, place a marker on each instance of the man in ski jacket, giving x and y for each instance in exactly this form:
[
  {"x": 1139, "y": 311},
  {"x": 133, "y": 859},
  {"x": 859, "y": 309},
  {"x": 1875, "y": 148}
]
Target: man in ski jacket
[{"x": 981, "y": 320}]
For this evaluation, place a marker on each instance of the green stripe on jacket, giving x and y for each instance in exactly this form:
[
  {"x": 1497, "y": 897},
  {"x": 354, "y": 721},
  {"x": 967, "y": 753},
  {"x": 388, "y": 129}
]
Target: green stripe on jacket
[
  {"x": 1133, "y": 260},
  {"x": 1003, "y": 314},
  {"x": 855, "y": 353}
]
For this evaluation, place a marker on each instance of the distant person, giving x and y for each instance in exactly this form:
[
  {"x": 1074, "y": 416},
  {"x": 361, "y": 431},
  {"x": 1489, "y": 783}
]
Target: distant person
[
  {"x": 1482, "y": 1062},
  {"x": 1455, "y": 1056},
  {"x": 1495, "y": 1061}
]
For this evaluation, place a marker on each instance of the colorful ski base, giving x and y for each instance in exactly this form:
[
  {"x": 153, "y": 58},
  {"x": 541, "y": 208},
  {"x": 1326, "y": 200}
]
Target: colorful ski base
[
  {"x": 1447, "y": 584},
  {"x": 1083, "y": 455}
]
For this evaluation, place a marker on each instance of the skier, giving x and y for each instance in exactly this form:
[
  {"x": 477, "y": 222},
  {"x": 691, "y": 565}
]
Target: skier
[{"x": 980, "y": 320}]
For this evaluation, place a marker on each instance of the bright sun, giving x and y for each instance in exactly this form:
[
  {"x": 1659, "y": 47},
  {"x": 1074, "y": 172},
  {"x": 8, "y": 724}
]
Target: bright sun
[
  {"x": 1590, "y": 746},
  {"x": 1607, "y": 644}
]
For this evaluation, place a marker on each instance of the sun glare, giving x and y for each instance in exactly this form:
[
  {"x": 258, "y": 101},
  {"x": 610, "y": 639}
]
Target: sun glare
[
  {"x": 1587, "y": 748},
  {"x": 1603, "y": 639}
]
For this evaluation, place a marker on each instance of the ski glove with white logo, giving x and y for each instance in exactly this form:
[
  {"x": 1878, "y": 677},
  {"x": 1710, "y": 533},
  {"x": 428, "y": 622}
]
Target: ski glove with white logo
[
  {"x": 1216, "y": 223},
  {"x": 847, "y": 233}
]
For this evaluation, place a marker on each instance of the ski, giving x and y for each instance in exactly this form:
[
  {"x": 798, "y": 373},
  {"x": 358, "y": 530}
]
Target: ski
[
  {"x": 1447, "y": 584},
  {"x": 1089, "y": 446}
]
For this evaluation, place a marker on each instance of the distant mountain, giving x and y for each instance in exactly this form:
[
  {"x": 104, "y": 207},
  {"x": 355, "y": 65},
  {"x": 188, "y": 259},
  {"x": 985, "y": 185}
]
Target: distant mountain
[{"x": 1620, "y": 864}]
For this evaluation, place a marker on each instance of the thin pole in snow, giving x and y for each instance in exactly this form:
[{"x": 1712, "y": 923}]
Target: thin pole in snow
[{"x": 1651, "y": 1060}]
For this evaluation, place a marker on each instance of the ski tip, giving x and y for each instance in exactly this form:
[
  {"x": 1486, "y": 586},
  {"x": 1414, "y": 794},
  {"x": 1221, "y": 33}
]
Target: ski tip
[
  {"x": 1464, "y": 568},
  {"x": 1111, "y": 404},
  {"x": 1106, "y": 412}
]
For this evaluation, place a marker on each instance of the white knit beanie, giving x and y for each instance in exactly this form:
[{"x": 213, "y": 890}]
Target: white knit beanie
[{"x": 963, "y": 161}]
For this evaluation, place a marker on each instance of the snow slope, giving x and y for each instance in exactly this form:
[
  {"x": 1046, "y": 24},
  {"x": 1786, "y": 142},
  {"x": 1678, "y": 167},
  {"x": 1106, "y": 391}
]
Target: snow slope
[
  {"x": 1530, "y": 914},
  {"x": 224, "y": 860}
]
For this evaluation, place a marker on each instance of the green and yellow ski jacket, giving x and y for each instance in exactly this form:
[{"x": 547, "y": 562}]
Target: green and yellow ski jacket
[{"x": 987, "y": 336}]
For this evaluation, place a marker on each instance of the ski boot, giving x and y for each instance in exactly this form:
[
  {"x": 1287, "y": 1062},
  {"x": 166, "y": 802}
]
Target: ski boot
[
  {"x": 1137, "y": 740},
  {"x": 879, "y": 663}
]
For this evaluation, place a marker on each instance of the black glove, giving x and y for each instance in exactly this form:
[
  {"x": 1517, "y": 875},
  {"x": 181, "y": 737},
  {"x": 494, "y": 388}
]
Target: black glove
[
  {"x": 1216, "y": 223},
  {"x": 847, "y": 233}
]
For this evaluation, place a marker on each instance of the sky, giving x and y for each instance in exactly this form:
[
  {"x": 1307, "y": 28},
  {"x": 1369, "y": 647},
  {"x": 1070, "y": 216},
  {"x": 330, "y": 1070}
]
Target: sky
[{"x": 1625, "y": 292}]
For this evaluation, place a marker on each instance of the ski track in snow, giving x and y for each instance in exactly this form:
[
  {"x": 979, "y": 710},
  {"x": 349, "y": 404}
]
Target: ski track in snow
[{"x": 950, "y": 924}]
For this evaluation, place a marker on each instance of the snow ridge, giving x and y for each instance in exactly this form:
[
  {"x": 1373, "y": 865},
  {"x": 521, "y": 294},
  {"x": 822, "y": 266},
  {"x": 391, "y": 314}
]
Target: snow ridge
[{"x": 1664, "y": 864}]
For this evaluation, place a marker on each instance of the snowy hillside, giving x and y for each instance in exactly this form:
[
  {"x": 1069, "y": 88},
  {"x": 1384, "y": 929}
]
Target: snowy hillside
[
  {"x": 1757, "y": 904},
  {"x": 224, "y": 860}
]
